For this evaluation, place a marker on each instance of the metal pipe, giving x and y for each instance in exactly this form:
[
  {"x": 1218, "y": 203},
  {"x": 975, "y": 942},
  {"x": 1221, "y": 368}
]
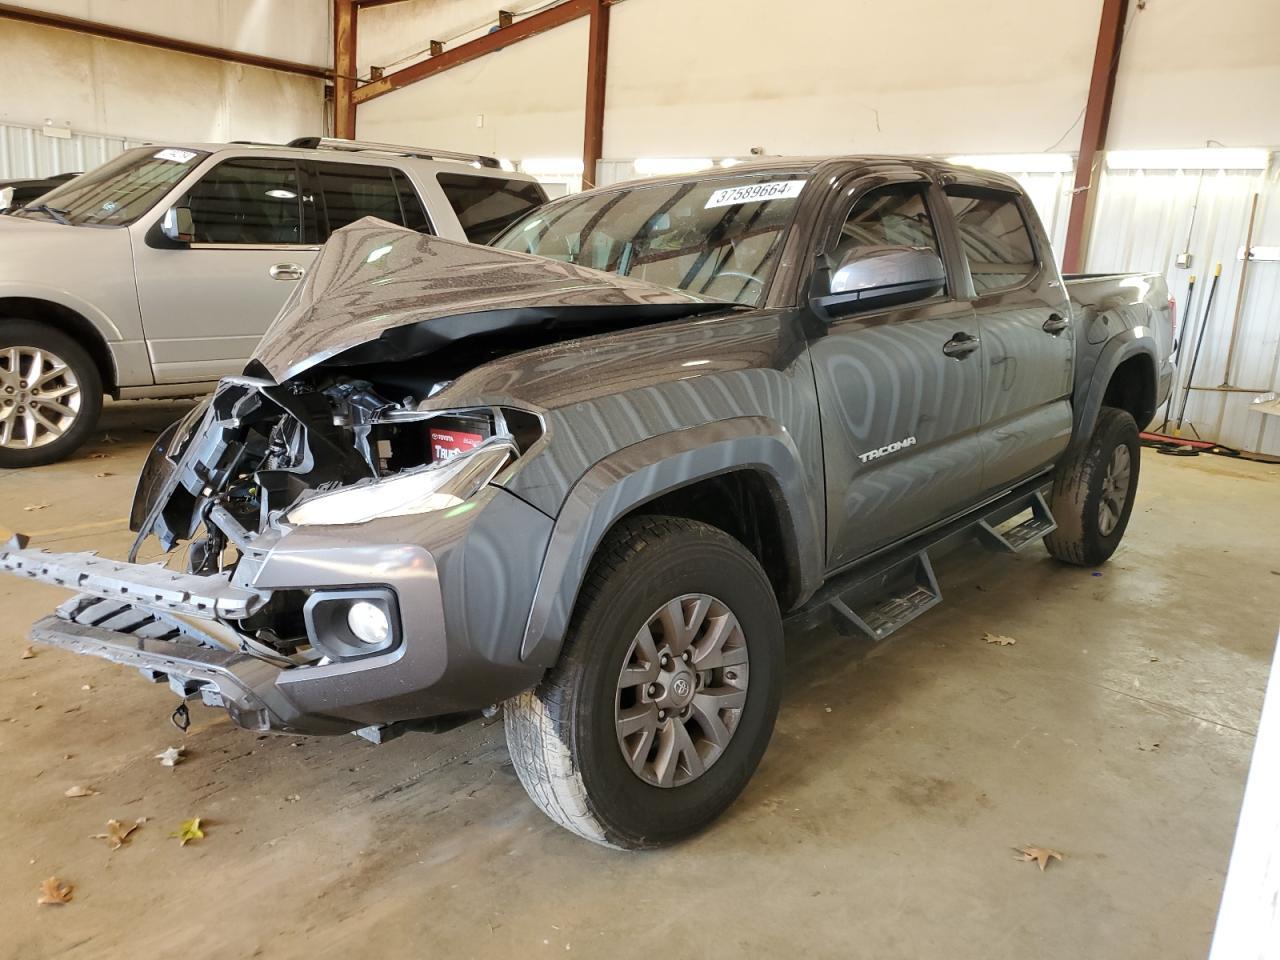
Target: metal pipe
[{"x": 1244, "y": 273}]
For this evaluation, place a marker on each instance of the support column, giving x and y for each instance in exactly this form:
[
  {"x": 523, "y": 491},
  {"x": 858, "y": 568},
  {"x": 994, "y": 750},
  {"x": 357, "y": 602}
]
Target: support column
[
  {"x": 1093, "y": 135},
  {"x": 597, "y": 63},
  {"x": 344, "y": 68}
]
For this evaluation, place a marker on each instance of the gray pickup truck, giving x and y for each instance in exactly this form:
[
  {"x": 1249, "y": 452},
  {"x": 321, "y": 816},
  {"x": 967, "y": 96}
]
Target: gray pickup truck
[
  {"x": 586, "y": 471},
  {"x": 157, "y": 273}
]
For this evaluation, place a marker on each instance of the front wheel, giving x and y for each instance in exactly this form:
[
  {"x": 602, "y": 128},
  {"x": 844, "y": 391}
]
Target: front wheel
[
  {"x": 50, "y": 394},
  {"x": 1093, "y": 492},
  {"x": 666, "y": 691}
]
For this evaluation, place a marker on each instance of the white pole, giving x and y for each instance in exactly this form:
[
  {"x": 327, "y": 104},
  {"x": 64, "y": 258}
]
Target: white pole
[{"x": 1249, "y": 918}]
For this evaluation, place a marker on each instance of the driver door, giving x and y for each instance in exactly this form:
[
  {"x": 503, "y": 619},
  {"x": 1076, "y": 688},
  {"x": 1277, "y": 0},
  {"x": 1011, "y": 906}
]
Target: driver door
[
  {"x": 205, "y": 305},
  {"x": 900, "y": 388}
]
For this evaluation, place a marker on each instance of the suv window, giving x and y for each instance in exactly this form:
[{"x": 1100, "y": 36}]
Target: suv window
[
  {"x": 896, "y": 215},
  {"x": 994, "y": 236},
  {"x": 355, "y": 190},
  {"x": 249, "y": 200},
  {"x": 488, "y": 205}
]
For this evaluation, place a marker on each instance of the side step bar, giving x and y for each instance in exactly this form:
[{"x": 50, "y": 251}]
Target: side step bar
[
  {"x": 886, "y": 591},
  {"x": 1017, "y": 538}
]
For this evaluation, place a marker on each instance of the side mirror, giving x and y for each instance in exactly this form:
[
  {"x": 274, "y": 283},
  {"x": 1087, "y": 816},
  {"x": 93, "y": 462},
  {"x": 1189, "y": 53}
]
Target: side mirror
[
  {"x": 177, "y": 225},
  {"x": 870, "y": 278}
]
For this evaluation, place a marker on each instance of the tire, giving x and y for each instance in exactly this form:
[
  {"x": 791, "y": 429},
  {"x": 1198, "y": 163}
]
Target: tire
[
  {"x": 564, "y": 736},
  {"x": 44, "y": 421},
  {"x": 1091, "y": 520}
]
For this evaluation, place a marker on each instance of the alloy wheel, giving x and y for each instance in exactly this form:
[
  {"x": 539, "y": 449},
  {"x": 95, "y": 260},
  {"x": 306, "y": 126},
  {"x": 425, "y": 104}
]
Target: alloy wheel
[
  {"x": 39, "y": 397},
  {"x": 1115, "y": 490},
  {"x": 681, "y": 691}
]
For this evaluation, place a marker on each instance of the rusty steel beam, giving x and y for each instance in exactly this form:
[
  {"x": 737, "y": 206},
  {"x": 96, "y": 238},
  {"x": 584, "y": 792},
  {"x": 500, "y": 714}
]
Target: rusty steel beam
[
  {"x": 530, "y": 26},
  {"x": 597, "y": 65},
  {"x": 1093, "y": 135},
  {"x": 108, "y": 31},
  {"x": 344, "y": 69}
]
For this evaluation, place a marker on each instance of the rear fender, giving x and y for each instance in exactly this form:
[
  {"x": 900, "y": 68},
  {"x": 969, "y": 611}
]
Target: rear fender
[
  {"x": 1091, "y": 387},
  {"x": 644, "y": 471}
]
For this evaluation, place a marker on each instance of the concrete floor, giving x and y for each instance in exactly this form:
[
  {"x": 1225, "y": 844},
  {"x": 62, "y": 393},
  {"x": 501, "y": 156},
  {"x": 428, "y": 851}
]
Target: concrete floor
[{"x": 1117, "y": 730}]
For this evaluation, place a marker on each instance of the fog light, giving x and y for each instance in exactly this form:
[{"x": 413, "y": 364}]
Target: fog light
[{"x": 369, "y": 622}]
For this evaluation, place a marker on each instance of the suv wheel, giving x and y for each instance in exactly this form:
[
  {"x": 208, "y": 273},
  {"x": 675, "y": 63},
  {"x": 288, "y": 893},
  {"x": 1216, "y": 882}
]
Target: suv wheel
[
  {"x": 50, "y": 394},
  {"x": 666, "y": 691},
  {"x": 1094, "y": 490}
]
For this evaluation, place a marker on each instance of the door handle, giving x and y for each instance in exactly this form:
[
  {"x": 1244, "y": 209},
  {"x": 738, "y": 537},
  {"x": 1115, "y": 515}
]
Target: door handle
[
  {"x": 1055, "y": 324},
  {"x": 286, "y": 271},
  {"x": 960, "y": 346}
]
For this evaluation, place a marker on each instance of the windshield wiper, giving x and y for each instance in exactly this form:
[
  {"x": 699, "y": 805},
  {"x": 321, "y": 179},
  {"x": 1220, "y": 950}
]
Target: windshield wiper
[{"x": 51, "y": 212}]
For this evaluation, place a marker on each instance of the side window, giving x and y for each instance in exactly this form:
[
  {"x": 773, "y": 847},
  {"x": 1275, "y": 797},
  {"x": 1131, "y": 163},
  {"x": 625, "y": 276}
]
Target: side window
[
  {"x": 249, "y": 200},
  {"x": 488, "y": 205},
  {"x": 994, "y": 237},
  {"x": 355, "y": 190},
  {"x": 896, "y": 215}
]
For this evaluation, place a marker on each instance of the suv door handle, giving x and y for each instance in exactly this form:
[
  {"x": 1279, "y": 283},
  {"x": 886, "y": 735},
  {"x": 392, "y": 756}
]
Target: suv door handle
[
  {"x": 960, "y": 346},
  {"x": 286, "y": 271},
  {"x": 1055, "y": 324}
]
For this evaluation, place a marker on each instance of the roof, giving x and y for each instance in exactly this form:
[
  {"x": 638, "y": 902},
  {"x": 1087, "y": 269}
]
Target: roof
[{"x": 809, "y": 165}]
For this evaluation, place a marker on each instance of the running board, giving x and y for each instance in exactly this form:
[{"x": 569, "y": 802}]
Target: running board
[
  {"x": 1017, "y": 538},
  {"x": 885, "y": 591},
  {"x": 911, "y": 589}
]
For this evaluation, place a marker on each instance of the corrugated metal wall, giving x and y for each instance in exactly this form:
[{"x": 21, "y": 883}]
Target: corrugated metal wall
[
  {"x": 1142, "y": 220},
  {"x": 28, "y": 152}
]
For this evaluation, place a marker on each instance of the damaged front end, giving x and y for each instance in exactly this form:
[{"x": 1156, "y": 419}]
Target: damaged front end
[
  {"x": 343, "y": 554},
  {"x": 301, "y": 509}
]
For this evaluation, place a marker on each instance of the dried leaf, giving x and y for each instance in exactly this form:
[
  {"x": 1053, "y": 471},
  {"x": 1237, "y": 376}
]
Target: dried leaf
[
  {"x": 27, "y": 654},
  {"x": 35, "y": 506},
  {"x": 190, "y": 830},
  {"x": 998, "y": 639},
  {"x": 171, "y": 757},
  {"x": 55, "y": 891},
  {"x": 99, "y": 456},
  {"x": 86, "y": 687},
  {"x": 104, "y": 473},
  {"x": 80, "y": 792},
  {"x": 117, "y": 833},
  {"x": 1040, "y": 855}
]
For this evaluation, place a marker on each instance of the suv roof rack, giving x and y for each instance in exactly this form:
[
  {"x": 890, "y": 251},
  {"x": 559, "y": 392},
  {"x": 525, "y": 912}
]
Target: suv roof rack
[{"x": 423, "y": 153}]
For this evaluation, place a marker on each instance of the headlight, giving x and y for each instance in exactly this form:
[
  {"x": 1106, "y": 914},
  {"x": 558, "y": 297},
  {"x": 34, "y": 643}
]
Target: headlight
[{"x": 424, "y": 490}]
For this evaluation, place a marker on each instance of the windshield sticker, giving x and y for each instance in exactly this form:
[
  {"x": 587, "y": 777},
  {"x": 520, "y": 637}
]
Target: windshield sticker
[
  {"x": 177, "y": 156},
  {"x": 755, "y": 192}
]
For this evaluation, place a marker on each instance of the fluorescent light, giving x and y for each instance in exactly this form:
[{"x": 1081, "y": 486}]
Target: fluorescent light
[
  {"x": 552, "y": 166},
  {"x": 1018, "y": 162},
  {"x": 657, "y": 166},
  {"x": 1206, "y": 158}
]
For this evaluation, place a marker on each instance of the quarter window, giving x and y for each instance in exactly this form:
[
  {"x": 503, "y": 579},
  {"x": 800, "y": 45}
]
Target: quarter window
[
  {"x": 248, "y": 200},
  {"x": 488, "y": 205},
  {"x": 994, "y": 236}
]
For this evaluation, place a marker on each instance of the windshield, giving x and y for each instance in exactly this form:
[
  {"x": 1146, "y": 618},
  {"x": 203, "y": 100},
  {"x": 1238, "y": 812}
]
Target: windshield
[
  {"x": 121, "y": 190},
  {"x": 717, "y": 238}
]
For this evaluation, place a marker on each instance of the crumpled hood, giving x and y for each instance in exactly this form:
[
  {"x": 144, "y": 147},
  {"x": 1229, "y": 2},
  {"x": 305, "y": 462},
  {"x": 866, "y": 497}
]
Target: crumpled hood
[{"x": 374, "y": 281}]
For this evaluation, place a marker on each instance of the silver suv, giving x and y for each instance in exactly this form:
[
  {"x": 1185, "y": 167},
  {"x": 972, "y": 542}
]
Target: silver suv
[{"x": 157, "y": 273}]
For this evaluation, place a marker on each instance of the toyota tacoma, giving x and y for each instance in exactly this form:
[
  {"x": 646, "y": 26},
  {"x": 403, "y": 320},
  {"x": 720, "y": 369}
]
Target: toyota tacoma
[{"x": 585, "y": 472}]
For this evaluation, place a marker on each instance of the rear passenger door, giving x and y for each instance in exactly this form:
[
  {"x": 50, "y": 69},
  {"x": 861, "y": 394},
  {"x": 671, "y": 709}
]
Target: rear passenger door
[
  {"x": 900, "y": 405},
  {"x": 1027, "y": 339}
]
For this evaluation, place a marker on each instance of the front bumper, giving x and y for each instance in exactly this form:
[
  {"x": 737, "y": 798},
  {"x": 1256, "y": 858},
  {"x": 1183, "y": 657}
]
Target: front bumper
[{"x": 463, "y": 586}]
